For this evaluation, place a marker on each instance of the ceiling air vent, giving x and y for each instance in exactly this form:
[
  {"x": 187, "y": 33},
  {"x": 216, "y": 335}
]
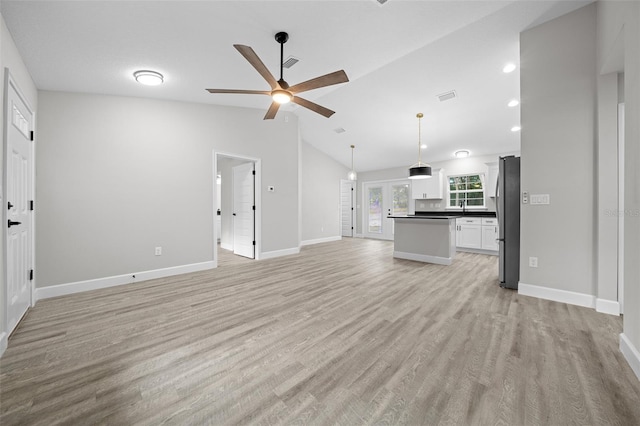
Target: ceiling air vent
[
  {"x": 290, "y": 61},
  {"x": 447, "y": 95},
  {"x": 339, "y": 130},
  {"x": 381, "y": 2}
]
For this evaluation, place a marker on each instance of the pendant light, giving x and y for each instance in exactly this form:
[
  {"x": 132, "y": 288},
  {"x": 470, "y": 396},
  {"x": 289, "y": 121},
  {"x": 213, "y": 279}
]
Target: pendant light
[
  {"x": 419, "y": 170},
  {"x": 352, "y": 175}
]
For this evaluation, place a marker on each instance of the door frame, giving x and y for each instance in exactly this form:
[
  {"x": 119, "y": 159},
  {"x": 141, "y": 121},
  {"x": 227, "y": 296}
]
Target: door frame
[
  {"x": 9, "y": 81},
  {"x": 258, "y": 200},
  {"x": 621, "y": 203},
  {"x": 365, "y": 203}
]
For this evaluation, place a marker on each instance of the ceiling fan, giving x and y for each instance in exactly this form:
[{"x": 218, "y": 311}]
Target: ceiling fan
[{"x": 281, "y": 92}]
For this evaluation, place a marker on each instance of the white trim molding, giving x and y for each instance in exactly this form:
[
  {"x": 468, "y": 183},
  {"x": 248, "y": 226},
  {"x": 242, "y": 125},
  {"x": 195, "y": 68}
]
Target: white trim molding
[
  {"x": 611, "y": 307},
  {"x": 562, "y": 296},
  {"x": 630, "y": 353},
  {"x": 4, "y": 342},
  {"x": 279, "y": 253},
  {"x": 80, "y": 286},
  {"x": 320, "y": 240}
]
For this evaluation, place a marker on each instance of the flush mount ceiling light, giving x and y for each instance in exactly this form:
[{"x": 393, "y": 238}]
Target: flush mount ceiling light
[
  {"x": 419, "y": 170},
  {"x": 281, "y": 96},
  {"x": 463, "y": 153},
  {"x": 513, "y": 102},
  {"x": 510, "y": 67},
  {"x": 352, "y": 175},
  {"x": 515, "y": 129},
  {"x": 148, "y": 78}
]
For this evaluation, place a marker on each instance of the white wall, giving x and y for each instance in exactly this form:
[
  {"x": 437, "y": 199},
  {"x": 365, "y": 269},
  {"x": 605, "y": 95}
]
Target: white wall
[
  {"x": 10, "y": 59},
  {"x": 320, "y": 180},
  {"x": 117, "y": 176},
  {"x": 621, "y": 20},
  {"x": 567, "y": 124},
  {"x": 558, "y": 116}
]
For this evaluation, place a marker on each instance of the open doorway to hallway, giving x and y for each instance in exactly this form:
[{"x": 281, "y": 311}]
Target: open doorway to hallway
[{"x": 237, "y": 213}]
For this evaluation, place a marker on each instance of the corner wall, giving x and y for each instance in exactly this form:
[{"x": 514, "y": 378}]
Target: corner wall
[
  {"x": 320, "y": 182},
  {"x": 558, "y": 117}
]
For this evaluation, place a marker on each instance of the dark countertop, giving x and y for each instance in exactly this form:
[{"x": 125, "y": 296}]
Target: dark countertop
[
  {"x": 425, "y": 216},
  {"x": 468, "y": 213}
]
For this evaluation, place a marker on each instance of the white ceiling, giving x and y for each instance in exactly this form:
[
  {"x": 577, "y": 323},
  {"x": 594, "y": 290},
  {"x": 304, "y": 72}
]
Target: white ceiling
[{"x": 398, "y": 57}]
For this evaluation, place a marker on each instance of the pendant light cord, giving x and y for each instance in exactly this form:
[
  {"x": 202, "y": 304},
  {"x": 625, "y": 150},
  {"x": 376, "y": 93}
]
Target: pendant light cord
[
  {"x": 419, "y": 115},
  {"x": 352, "y": 146}
]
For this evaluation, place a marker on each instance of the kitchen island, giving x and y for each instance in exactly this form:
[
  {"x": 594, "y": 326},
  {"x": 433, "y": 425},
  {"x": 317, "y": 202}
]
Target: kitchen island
[{"x": 425, "y": 238}]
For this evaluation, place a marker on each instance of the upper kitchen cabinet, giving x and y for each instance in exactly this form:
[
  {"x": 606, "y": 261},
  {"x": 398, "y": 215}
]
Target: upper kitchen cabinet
[
  {"x": 492, "y": 179},
  {"x": 430, "y": 188}
]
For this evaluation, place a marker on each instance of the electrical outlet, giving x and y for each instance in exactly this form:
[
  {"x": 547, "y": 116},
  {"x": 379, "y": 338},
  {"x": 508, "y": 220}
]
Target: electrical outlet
[
  {"x": 533, "y": 262},
  {"x": 158, "y": 251}
]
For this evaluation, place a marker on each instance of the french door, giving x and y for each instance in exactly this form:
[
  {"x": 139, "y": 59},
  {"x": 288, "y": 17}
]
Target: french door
[{"x": 381, "y": 200}]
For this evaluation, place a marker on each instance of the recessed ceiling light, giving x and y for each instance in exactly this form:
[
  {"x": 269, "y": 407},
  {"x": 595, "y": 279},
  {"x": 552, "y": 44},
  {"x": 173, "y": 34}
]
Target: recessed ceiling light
[
  {"x": 513, "y": 102},
  {"x": 509, "y": 68},
  {"x": 463, "y": 153},
  {"x": 423, "y": 146},
  {"x": 515, "y": 129},
  {"x": 149, "y": 78}
]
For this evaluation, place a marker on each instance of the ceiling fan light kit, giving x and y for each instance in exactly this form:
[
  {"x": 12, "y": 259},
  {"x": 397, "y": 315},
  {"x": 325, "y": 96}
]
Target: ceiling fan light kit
[
  {"x": 281, "y": 92},
  {"x": 419, "y": 170}
]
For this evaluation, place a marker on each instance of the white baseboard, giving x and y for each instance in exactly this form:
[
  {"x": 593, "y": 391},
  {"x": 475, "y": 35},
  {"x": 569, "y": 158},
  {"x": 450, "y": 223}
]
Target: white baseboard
[
  {"x": 611, "y": 307},
  {"x": 423, "y": 258},
  {"x": 4, "y": 342},
  {"x": 478, "y": 251},
  {"x": 79, "y": 286},
  {"x": 279, "y": 253},
  {"x": 320, "y": 240},
  {"x": 630, "y": 353},
  {"x": 563, "y": 296}
]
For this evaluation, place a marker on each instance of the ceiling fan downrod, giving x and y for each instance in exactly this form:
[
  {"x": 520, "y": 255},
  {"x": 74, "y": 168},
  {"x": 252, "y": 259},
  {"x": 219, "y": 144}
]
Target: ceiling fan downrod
[{"x": 282, "y": 38}]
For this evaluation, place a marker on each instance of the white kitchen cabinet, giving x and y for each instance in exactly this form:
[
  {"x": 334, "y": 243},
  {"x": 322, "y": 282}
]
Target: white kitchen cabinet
[
  {"x": 430, "y": 188},
  {"x": 490, "y": 234},
  {"x": 492, "y": 180},
  {"x": 469, "y": 232}
]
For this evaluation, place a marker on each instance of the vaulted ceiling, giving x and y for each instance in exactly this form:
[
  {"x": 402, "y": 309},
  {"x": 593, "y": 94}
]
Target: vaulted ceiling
[{"x": 399, "y": 56}]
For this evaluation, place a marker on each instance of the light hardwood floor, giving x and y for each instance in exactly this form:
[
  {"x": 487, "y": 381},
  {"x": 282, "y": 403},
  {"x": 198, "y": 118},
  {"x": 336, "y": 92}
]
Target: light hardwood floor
[{"x": 339, "y": 334}]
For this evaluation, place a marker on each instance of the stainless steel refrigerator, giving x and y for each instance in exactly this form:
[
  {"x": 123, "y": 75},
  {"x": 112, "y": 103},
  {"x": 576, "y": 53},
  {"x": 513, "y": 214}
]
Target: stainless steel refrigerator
[{"x": 508, "y": 215}]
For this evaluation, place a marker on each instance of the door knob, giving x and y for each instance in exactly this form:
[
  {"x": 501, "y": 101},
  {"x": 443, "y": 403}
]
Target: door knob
[
  {"x": 234, "y": 214},
  {"x": 11, "y": 223}
]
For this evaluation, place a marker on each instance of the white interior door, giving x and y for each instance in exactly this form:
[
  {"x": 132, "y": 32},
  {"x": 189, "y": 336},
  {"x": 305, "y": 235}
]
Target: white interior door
[
  {"x": 18, "y": 189},
  {"x": 347, "y": 208},
  {"x": 243, "y": 210},
  {"x": 381, "y": 200}
]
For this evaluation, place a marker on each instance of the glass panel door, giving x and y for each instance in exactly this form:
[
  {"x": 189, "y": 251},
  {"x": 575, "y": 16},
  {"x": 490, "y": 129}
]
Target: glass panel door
[
  {"x": 375, "y": 200},
  {"x": 384, "y": 199}
]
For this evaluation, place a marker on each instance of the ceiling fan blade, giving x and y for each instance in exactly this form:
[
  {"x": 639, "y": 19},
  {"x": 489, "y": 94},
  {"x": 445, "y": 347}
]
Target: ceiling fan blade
[
  {"x": 322, "y": 81},
  {"x": 246, "y": 92},
  {"x": 313, "y": 106},
  {"x": 271, "y": 112},
  {"x": 255, "y": 61}
]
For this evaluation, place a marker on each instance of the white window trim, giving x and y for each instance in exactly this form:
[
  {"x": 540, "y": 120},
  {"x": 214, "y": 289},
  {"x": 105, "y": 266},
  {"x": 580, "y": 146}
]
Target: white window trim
[{"x": 483, "y": 190}]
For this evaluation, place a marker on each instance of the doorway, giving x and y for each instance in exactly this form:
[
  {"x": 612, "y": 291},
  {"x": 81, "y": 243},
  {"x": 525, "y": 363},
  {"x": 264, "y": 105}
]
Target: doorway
[
  {"x": 18, "y": 201},
  {"x": 381, "y": 200},
  {"x": 237, "y": 208}
]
